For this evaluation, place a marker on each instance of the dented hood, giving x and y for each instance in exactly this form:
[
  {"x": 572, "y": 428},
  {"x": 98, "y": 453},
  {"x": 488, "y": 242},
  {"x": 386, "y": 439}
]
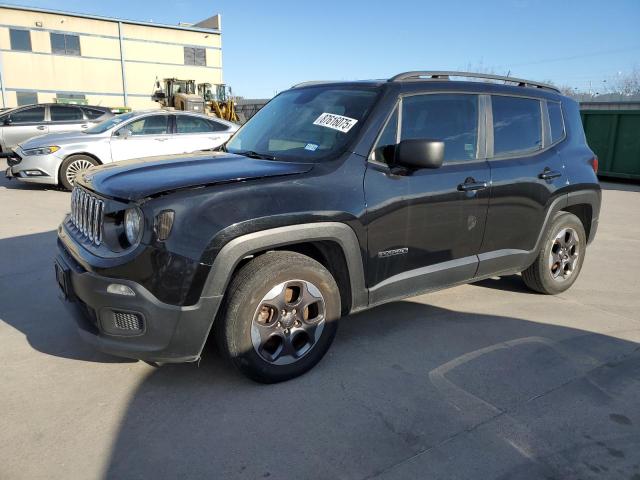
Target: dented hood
[{"x": 141, "y": 178}]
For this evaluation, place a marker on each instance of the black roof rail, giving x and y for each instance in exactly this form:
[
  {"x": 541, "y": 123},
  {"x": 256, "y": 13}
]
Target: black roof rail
[{"x": 444, "y": 75}]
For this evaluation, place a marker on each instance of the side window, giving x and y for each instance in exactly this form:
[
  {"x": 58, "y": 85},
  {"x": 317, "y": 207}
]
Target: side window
[
  {"x": 93, "y": 113},
  {"x": 218, "y": 127},
  {"x": 189, "y": 124},
  {"x": 555, "y": 120},
  {"x": 386, "y": 145},
  {"x": 26, "y": 98},
  {"x": 451, "y": 118},
  {"x": 28, "y": 115},
  {"x": 61, "y": 113},
  {"x": 20, "y": 40},
  {"x": 152, "y": 125},
  {"x": 517, "y": 125}
]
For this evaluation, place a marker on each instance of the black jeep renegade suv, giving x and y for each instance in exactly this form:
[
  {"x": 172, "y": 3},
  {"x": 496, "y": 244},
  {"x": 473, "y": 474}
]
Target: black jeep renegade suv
[{"x": 334, "y": 198}]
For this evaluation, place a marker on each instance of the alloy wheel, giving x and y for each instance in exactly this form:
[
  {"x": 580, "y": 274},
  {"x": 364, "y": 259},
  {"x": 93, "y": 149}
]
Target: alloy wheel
[
  {"x": 75, "y": 167},
  {"x": 564, "y": 254},
  {"x": 288, "y": 322}
]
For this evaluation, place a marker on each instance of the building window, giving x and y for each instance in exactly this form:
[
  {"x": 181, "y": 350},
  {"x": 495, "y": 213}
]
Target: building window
[
  {"x": 63, "y": 44},
  {"x": 26, "y": 98},
  {"x": 20, "y": 40},
  {"x": 195, "y": 56},
  {"x": 74, "y": 98}
]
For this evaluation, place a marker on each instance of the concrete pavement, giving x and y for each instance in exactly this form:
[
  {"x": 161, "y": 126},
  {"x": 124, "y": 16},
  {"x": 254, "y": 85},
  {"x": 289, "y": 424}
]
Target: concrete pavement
[{"x": 482, "y": 381}]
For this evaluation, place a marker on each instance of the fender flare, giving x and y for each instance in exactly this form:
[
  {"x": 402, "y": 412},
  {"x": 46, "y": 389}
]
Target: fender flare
[{"x": 240, "y": 247}]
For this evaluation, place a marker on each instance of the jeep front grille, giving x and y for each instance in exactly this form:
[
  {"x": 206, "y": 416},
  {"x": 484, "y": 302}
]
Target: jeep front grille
[{"x": 87, "y": 214}]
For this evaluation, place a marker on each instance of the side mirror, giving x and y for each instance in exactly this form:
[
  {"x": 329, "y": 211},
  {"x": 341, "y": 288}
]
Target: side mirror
[
  {"x": 7, "y": 120},
  {"x": 124, "y": 133},
  {"x": 420, "y": 153}
]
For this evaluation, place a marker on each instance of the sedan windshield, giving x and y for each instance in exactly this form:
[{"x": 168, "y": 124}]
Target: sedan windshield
[
  {"x": 109, "y": 123},
  {"x": 310, "y": 123}
]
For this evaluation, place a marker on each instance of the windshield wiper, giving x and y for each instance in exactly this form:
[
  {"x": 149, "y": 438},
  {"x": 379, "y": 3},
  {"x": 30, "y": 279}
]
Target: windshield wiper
[{"x": 252, "y": 154}]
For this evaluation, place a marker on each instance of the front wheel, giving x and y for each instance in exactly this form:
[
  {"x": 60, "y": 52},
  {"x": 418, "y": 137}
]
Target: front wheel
[
  {"x": 72, "y": 166},
  {"x": 560, "y": 258},
  {"x": 280, "y": 317}
]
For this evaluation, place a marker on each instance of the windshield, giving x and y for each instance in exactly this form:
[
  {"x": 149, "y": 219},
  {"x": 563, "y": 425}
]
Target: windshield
[
  {"x": 305, "y": 124},
  {"x": 109, "y": 123}
]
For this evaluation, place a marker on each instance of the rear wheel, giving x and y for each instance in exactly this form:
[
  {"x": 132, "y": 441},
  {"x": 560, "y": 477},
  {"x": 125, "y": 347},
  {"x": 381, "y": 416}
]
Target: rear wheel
[
  {"x": 280, "y": 317},
  {"x": 560, "y": 258},
  {"x": 72, "y": 165}
]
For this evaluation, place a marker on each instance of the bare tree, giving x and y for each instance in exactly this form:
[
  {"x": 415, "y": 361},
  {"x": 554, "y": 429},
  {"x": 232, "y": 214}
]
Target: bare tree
[{"x": 627, "y": 84}]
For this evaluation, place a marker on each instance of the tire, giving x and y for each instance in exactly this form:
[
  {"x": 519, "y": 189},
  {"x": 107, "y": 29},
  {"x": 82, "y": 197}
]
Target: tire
[
  {"x": 558, "y": 263},
  {"x": 257, "y": 338},
  {"x": 73, "y": 164}
]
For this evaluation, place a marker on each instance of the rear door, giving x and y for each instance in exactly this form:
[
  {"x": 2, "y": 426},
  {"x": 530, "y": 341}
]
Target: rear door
[
  {"x": 149, "y": 137},
  {"x": 526, "y": 173},
  {"x": 194, "y": 133},
  {"x": 425, "y": 226},
  {"x": 24, "y": 124},
  {"x": 66, "y": 118}
]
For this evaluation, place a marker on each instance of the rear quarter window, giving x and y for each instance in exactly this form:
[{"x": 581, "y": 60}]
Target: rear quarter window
[
  {"x": 517, "y": 125},
  {"x": 556, "y": 121}
]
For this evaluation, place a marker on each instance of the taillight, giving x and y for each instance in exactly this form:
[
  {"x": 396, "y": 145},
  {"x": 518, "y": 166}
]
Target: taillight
[{"x": 594, "y": 164}]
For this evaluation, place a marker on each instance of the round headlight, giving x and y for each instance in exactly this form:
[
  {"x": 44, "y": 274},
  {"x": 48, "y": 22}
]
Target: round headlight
[{"x": 133, "y": 225}]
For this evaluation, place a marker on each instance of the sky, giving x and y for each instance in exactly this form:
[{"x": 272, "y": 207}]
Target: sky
[{"x": 268, "y": 46}]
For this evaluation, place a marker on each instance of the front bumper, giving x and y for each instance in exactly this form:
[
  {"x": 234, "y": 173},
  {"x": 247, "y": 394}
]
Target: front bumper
[
  {"x": 167, "y": 333},
  {"x": 33, "y": 168}
]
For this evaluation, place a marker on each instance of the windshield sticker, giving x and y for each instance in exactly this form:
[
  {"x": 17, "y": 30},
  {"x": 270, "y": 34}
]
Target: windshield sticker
[
  {"x": 312, "y": 147},
  {"x": 335, "y": 122}
]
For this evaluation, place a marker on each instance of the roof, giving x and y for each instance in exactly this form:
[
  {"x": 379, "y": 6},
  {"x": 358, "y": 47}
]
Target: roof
[{"x": 109, "y": 19}]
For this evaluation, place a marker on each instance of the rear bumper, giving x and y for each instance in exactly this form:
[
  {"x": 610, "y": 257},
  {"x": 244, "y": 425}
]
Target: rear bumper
[{"x": 168, "y": 333}]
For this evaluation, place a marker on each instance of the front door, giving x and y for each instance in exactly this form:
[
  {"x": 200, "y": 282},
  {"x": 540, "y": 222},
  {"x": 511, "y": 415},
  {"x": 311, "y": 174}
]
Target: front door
[
  {"x": 23, "y": 125},
  {"x": 526, "y": 175},
  {"x": 148, "y": 137},
  {"x": 425, "y": 226}
]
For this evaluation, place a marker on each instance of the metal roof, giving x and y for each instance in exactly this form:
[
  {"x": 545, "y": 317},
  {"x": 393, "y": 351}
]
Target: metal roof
[{"x": 108, "y": 19}]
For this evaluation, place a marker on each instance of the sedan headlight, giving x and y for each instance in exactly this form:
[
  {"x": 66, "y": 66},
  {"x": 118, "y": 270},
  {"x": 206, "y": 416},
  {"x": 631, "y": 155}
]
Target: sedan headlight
[
  {"x": 41, "y": 150},
  {"x": 133, "y": 223}
]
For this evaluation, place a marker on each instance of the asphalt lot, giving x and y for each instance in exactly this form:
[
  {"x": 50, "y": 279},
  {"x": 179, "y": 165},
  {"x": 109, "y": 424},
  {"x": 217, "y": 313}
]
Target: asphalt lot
[{"x": 485, "y": 381}]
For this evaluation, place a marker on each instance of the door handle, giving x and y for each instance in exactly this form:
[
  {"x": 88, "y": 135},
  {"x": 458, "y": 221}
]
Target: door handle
[
  {"x": 41, "y": 127},
  {"x": 161, "y": 139},
  {"x": 84, "y": 126},
  {"x": 470, "y": 185},
  {"x": 548, "y": 174}
]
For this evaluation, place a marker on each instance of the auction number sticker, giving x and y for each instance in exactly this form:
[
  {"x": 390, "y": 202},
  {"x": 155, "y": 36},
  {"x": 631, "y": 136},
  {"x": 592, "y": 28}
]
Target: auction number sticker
[{"x": 335, "y": 122}]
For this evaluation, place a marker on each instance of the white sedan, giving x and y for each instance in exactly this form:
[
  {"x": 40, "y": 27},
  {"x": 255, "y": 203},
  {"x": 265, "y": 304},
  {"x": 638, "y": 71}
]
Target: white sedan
[{"x": 57, "y": 158}]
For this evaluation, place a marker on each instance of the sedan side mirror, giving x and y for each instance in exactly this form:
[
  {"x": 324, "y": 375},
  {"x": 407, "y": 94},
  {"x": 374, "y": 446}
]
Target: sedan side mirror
[
  {"x": 7, "y": 120},
  {"x": 420, "y": 153}
]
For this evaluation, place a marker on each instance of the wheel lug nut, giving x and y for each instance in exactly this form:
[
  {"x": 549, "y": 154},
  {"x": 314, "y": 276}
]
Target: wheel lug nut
[
  {"x": 279, "y": 324},
  {"x": 286, "y": 331},
  {"x": 293, "y": 311}
]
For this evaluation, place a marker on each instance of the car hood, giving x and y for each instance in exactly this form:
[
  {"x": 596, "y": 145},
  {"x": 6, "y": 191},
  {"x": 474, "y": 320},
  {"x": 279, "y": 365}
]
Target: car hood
[
  {"x": 60, "y": 139},
  {"x": 141, "y": 178}
]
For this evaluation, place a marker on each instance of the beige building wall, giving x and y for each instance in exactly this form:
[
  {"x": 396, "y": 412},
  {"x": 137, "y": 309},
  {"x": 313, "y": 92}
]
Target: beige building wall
[{"x": 150, "y": 52}]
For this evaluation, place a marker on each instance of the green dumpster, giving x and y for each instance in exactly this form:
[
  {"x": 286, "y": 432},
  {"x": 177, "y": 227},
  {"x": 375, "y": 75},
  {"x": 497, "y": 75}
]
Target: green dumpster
[{"x": 614, "y": 136}]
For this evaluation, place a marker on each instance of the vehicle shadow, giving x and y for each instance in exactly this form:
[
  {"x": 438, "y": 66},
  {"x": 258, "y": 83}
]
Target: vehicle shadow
[
  {"x": 407, "y": 390},
  {"x": 29, "y": 299},
  {"x": 508, "y": 283}
]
